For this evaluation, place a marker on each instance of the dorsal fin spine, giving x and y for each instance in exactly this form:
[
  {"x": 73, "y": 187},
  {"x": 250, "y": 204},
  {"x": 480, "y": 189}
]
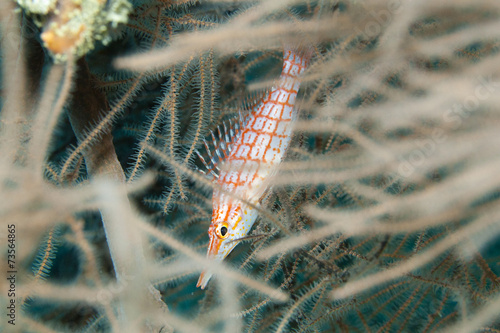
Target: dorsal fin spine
[
  {"x": 242, "y": 122},
  {"x": 208, "y": 149},
  {"x": 225, "y": 131},
  {"x": 206, "y": 166},
  {"x": 213, "y": 140}
]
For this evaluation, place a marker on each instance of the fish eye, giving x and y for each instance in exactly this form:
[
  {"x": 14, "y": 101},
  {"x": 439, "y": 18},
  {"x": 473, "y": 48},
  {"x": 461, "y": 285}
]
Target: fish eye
[{"x": 222, "y": 230}]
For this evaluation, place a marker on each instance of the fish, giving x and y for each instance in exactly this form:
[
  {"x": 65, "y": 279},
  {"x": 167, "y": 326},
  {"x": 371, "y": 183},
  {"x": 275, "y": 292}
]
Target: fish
[{"x": 254, "y": 155}]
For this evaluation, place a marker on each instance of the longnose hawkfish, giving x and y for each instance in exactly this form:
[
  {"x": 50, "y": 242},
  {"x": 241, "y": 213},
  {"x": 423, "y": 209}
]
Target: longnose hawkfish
[{"x": 253, "y": 156}]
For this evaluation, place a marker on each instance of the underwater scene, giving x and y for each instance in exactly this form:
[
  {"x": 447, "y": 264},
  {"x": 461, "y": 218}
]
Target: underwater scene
[{"x": 249, "y": 166}]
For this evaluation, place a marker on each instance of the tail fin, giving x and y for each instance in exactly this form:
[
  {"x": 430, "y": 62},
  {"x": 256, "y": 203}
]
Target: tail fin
[{"x": 298, "y": 54}]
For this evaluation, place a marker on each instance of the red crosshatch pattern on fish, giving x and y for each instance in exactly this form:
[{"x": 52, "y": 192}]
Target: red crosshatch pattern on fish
[{"x": 255, "y": 156}]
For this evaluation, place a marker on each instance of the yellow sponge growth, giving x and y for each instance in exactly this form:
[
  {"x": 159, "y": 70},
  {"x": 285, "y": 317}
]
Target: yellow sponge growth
[{"x": 73, "y": 26}]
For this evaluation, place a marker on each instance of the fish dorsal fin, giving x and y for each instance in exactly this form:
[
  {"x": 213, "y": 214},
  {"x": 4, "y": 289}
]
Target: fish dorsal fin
[
  {"x": 218, "y": 145},
  {"x": 252, "y": 102}
]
